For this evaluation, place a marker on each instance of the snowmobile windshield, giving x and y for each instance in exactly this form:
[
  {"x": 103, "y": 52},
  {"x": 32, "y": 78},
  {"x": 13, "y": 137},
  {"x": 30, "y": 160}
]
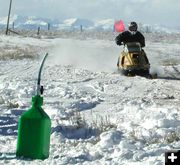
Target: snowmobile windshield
[{"x": 132, "y": 47}]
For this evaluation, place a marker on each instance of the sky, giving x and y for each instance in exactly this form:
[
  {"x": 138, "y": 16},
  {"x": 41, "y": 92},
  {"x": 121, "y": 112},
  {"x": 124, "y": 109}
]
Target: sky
[{"x": 165, "y": 12}]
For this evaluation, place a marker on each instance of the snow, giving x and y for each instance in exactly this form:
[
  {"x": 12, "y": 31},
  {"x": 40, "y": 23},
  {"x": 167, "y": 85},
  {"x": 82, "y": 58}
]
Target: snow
[
  {"x": 98, "y": 115},
  {"x": 70, "y": 21},
  {"x": 77, "y": 22},
  {"x": 36, "y": 22}
]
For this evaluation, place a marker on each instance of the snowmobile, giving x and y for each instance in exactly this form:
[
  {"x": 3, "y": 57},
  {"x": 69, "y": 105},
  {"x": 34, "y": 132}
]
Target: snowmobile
[{"x": 133, "y": 61}]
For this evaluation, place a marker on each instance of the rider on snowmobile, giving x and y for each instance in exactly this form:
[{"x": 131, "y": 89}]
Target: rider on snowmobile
[{"x": 132, "y": 35}]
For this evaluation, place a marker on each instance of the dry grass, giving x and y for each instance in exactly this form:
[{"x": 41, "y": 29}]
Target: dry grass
[
  {"x": 17, "y": 54},
  {"x": 171, "y": 137}
]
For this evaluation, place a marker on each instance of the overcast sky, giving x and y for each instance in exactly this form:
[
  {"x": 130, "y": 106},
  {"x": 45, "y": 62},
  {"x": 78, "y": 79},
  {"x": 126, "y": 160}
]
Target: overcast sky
[{"x": 164, "y": 12}]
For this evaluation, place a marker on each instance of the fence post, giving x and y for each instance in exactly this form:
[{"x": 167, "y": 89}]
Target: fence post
[
  {"x": 81, "y": 28},
  {"x": 48, "y": 26},
  {"x": 38, "y": 32},
  {"x": 13, "y": 26}
]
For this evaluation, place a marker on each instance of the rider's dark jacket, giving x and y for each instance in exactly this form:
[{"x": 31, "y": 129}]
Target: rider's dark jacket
[{"x": 127, "y": 36}]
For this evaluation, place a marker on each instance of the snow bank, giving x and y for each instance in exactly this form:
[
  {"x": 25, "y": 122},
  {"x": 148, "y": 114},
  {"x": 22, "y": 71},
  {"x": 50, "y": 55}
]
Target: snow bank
[{"x": 98, "y": 116}]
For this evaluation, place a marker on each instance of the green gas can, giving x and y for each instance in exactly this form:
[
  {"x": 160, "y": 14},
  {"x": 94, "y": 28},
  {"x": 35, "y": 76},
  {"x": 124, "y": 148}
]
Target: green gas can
[{"x": 34, "y": 129}]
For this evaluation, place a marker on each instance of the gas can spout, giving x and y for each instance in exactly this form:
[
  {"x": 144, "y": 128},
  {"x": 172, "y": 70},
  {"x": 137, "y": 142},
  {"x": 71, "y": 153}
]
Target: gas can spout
[{"x": 40, "y": 88}]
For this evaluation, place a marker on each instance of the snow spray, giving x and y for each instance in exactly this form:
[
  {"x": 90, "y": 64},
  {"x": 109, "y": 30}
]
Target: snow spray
[{"x": 34, "y": 127}]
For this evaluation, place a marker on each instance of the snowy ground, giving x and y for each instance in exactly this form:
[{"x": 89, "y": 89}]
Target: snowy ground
[{"x": 98, "y": 116}]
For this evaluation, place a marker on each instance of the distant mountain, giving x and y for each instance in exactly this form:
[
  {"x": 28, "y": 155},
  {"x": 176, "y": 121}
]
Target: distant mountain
[
  {"x": 158, "y": 28},
  {"x": 31, "y": 22},
  {"x": 28, "y": 22},
  {"x": 75, "y": 23},
  {"x": 106, "y": 24}
]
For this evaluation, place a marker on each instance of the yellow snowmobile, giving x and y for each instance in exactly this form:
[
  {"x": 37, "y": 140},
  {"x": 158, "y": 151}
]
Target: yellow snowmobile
[{"x": 133, "y": 60}]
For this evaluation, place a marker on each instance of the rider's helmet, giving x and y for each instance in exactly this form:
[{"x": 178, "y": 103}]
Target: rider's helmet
[{"x": 133, "y": 27}]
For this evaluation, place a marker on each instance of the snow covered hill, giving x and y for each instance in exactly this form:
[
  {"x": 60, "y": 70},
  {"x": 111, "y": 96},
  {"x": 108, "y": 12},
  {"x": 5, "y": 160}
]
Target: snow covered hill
[
  {"x": 28, "y": 22},
  {"x": 98, "y": 116},
  {"x": 75, "y": 23},
  {"x": 32, "y": 22}
]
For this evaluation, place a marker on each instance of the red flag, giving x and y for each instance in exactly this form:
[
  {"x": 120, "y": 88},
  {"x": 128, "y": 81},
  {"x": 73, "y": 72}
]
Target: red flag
[{"x": 119, "y": 26}]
